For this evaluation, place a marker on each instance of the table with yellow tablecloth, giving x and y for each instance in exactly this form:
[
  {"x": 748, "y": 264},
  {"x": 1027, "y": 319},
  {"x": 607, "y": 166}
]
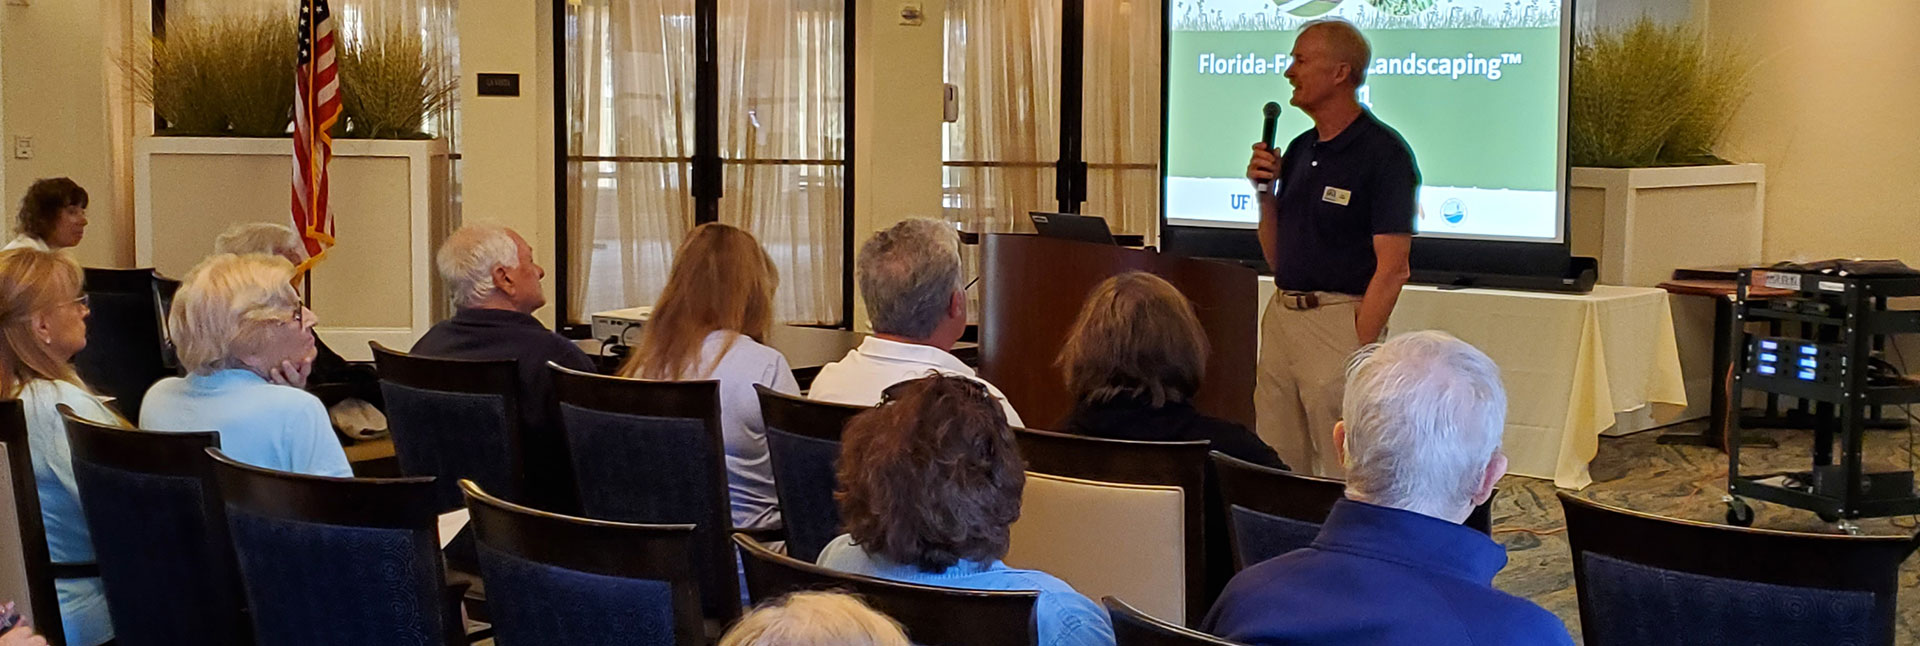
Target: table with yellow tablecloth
[{"x": 1570, "y": 363}]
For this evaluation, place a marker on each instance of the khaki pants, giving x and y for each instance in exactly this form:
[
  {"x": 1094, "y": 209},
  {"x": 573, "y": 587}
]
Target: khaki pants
[{"x": 1303, "y": 360}]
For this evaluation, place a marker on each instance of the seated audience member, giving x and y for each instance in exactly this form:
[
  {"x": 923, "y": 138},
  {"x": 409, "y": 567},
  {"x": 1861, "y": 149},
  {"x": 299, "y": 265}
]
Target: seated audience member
[
  {"x": 43, "y": 323},
  {"x": 930, "y": 484},
  {"x": 1133, "y": 360},
  {"x": 495, "y": 285},
  {"x": 246, "y": 343},
  {"x": 53, "y": 216},
  {"x": 1393, "y": 564},
  {"x": 709, "y": 324},
  {"x": 814, "y": 619},
  {"x": 909, "y": 276},
  {"x": 358, "y": 382}
]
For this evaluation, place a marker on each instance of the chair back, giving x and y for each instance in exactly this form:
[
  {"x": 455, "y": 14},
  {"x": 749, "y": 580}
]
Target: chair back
[
  {"x": 1134, "y": 628},
  {"x": 554, "y": 579},
  {"x": 26, "y": 571},
  {"x": 931, "y": 615},
  {"x": 1107, "y": 538},
  {"x": 454, "y": 419},
  {"x": 650, "y": 452},
  {"x": 1644, "y": 579},
  {"x": 803, "y": 442},
  {"x": 1271, "y": 511},
  {"x": 327, "y": 561},
  {"x": 127, "y": 344},
  {"x": 1122, "y": 462},
  {"x": 159, "y": 533}
]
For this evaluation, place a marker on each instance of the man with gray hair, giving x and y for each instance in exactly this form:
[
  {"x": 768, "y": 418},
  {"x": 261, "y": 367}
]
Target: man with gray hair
[
  {"x": 1336, "y": 227},
  {"x": 1393, "y": 564},
  {"x": 495, "y": 285},
  {"x": 909, "y": 276}
]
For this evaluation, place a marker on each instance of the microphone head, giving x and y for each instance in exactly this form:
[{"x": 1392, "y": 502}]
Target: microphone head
[{"x": 1272, "y": 110}]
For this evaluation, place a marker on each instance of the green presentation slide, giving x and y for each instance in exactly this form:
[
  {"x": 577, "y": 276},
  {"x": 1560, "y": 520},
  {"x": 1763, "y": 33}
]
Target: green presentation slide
[{"x": 1474, "y": 86}]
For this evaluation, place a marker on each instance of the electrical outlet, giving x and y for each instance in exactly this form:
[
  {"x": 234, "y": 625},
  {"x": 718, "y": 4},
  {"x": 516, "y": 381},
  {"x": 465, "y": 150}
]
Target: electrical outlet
[{"x": 22, "y": 147}]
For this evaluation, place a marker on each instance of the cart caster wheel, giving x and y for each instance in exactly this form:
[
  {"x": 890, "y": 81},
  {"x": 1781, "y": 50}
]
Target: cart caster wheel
[
  {"x": 1827, "y": 517},
  {"x": 1739, "y": 513}
]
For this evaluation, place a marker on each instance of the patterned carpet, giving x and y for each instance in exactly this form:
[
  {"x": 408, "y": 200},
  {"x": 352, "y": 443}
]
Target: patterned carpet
[{"x": 1681, "y": 482}]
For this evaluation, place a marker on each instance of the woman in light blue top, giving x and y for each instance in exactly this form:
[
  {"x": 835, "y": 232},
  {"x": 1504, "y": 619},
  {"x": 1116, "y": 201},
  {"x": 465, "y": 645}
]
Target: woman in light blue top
[
  {"x": 43, "y": 323},
  {"x": 930, "y": 482},
  {"x": 709, "y": 324},
  {"x": 247, "y": 344}
]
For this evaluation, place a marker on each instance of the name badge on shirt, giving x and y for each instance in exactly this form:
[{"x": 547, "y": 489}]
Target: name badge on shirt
[{"x": 1338, "y": 196}]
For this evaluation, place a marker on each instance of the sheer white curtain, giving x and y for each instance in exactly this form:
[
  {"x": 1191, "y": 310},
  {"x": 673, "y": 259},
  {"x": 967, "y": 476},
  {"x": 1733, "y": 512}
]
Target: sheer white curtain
[
  {"x": 783, "y": 134},
  {"x": 630, "y": 89},
  {"x": 1004, "y": 55},
  {"x": 1122, "y": 114}
]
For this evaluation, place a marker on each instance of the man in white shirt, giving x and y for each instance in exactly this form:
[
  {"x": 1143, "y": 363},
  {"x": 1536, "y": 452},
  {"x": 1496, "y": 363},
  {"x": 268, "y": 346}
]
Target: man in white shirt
[{"x": 909, "y": 276}]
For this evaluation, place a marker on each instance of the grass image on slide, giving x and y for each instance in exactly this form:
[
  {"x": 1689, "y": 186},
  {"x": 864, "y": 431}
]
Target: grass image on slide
[{"x": 1368, "y": 15}]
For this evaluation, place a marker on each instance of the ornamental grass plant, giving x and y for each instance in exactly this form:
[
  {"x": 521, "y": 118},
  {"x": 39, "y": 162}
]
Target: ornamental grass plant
[
  {"x": 1651, "y": 95},
  {"x": 389, "y": 85}
]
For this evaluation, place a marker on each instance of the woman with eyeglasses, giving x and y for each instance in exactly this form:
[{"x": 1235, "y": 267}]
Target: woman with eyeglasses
[
  {"x": 930, "y": 484},
  {"x": 246, "y": 342},
  {"x": 43, "y": 323}
]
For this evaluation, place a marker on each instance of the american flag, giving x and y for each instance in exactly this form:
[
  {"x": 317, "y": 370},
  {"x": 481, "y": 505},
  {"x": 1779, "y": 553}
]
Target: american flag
[{"x": 316, "y": 107}]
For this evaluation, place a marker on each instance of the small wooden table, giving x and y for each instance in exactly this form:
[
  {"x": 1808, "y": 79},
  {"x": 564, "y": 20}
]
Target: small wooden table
[{"x": 1720, "y": 410}]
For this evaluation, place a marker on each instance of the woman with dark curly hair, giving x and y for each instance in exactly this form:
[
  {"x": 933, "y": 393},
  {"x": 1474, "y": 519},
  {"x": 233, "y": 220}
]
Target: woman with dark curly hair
[
  {"x": 930, "y": 482},
  {"x": 53, "y": 216}
]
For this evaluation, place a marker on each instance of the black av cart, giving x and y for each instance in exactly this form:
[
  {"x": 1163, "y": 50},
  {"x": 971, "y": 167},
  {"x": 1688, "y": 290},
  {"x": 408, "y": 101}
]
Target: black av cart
[{"x": 1841, "y": 323}]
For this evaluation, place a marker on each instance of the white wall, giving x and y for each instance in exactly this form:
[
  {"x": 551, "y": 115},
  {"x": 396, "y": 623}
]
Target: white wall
[
  {"x": 58, "y": 59},
  {"x": 898, "y": 85},
  {"x": 506, "y": 151}
]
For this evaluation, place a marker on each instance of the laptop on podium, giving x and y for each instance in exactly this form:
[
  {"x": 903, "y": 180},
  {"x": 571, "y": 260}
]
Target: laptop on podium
[{"x": 1068, "y": 226}]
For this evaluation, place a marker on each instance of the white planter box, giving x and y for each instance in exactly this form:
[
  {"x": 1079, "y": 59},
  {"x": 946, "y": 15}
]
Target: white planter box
[
  {"x": 1643, "y": 223},
  {"x": 387, "y": 200}
]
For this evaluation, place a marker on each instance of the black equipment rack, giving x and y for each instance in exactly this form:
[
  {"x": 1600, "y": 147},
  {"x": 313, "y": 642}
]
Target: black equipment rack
[{"x": 1844, "y": 319}]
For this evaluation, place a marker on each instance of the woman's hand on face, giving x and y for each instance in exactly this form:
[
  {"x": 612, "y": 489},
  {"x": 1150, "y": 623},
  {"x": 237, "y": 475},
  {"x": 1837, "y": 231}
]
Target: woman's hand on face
[{"x": 291, "y": 372}]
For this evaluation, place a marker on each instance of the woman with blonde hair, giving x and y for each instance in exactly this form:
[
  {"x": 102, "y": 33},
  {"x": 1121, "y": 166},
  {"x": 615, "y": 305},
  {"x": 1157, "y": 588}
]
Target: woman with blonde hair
[
  {"x": 43, "y": 323},
  {"x": 815, "y": 619},
  {"x": 1133, "y": 361},
  {"x": 246, "y": 342},
  {"x": 711, "y": 322}
]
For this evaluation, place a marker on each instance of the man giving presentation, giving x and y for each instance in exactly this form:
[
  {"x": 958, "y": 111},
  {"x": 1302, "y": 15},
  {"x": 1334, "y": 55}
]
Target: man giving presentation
[{"x": 1336, "y": 226}]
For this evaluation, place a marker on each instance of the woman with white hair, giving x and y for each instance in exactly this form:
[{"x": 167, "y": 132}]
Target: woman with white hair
[
  {"x": 352, "y": 392},
  {"x": 815, "y": 619},
  {"x": 247, "y": 344}
]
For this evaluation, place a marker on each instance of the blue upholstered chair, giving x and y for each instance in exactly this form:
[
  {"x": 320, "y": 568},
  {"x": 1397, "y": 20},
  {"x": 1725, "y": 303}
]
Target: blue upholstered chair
[
  {"x": 1644, "y": 579},
  {"x": 330, "y": 561},
  {"x": 159, "y": 534},
  {"x": 803, "y": 442},
  {"x": 1271, "y": 512},
  {"x": 931, "y": 615},
  {"x": 1134, "y": 628},
  {"x": 127, "y": 347},
  {"x": 26, "y": 569},
  {"x": 554, "y": 579},
  {"x": 454, "y": 419},
  {"x": 650, "y": 452}
]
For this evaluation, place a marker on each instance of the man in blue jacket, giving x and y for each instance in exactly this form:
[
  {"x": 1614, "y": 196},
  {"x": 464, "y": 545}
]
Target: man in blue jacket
[{"x": 1393, "y": 564}]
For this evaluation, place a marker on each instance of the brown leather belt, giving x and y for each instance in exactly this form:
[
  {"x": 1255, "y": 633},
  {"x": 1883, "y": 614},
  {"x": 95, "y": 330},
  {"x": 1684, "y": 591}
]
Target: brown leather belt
[{"x": 1300, "y": 301}]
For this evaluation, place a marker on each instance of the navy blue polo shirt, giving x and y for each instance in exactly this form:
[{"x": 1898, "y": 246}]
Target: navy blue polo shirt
[
  {"x": 1377, "y": 576},
  {"x": 1335, "y": 195}
]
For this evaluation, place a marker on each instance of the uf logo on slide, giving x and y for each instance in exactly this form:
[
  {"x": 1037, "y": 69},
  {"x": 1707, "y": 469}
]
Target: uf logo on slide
[{"x": 1240, "y": 201}]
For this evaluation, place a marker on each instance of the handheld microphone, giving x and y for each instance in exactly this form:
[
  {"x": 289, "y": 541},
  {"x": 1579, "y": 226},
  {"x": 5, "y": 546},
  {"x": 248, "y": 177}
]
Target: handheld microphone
[{"x": 1272, "y": 114}]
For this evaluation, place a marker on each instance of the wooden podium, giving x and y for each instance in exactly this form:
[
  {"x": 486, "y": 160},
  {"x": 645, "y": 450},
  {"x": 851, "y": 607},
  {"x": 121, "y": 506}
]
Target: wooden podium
[{"x": 1033, "y": 288}]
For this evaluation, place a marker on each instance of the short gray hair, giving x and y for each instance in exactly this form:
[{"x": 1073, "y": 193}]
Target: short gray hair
[
  {"x": 908, "y": 274},
  {"x": 1424, "y": 414},
  {"x": 259, "y": 237},
  {"x": 468, "y": 257},
  {"x": 1348, "y": 45},
  {"x": 218, "y": 304}
]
